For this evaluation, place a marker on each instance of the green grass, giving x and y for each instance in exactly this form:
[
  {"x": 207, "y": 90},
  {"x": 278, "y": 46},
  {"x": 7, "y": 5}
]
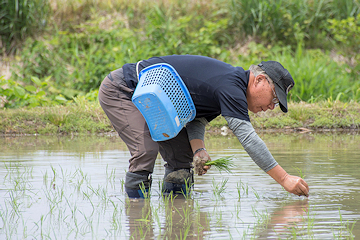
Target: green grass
[{"x": 84, "y": 117}]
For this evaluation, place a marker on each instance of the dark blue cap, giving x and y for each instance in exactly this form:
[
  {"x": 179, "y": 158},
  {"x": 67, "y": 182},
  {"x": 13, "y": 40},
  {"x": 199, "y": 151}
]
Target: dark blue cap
[{"x": 282, "y": 79}]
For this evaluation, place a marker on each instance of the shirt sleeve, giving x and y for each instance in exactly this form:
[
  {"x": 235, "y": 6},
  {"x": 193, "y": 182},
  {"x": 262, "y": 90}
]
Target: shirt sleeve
[
  {"x": 196, "y": 128},
  {"x": 252, "y": 143}
]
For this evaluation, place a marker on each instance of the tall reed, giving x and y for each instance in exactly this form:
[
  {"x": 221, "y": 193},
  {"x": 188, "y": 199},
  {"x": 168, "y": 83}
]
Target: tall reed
[
  {"x": 289, "y": 21},
  {"x": 20, "y": 19}
]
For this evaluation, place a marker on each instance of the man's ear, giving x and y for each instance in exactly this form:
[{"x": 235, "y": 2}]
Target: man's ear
[{"x": 259, "y": 79}]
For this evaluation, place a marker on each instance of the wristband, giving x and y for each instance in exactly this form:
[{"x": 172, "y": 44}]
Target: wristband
[{"x": 198, "y": 150}]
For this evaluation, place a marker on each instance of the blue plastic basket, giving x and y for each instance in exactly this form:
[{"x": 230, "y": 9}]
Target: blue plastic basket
[{"x": 163, "y": 100}]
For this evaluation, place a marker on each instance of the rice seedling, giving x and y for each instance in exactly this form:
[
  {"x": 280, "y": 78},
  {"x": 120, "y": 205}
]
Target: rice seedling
[
  {"x": 188, "y": 187},
  {"x": 345, "y": 229},
  {"x": 222, "y": 164},
  {"x": 219, "y": 218},
  {"x": 88, "y": 223},
  {"x": 262, "y": 218},
  {"x": 156, "y": 212},
  {"x": 184, "y": 214},
  {"x": 184, "y": 235},
  {"x": 122, "y": 184},
  {"x": 256, "y": 193},
  {"x": 242, "y": 186},
  {"x": 201, "y": 222},
  {"x": 18, "y": 176},
  {"x": 111, "y": 178},
  {"x": 92, "y": 204},
  {"x": 300, "y": 173},
  {"x": 219, "y": 188},
  {"x": 168, "y": 205},
  {"x": 237, "y": 210},
  {"x": 238, "y": 191},
  {"x": 145, "y": 192},
  {"x": 169, "y": 200},
  {"x": 146, "y": 216}
]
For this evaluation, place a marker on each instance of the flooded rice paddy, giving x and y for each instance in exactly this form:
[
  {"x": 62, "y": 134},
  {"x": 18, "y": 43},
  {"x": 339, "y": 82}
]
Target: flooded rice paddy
[{"x": 73, "y": 188}]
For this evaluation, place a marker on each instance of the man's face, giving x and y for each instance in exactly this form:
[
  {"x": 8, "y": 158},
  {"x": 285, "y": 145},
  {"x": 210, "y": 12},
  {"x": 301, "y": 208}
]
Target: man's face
[{"x": 262, "y": 95}]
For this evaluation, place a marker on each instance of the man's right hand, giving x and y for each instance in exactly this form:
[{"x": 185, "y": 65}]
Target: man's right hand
[
  {"x": 296, "y": 185},
  {"x": 292, "y": 184}
]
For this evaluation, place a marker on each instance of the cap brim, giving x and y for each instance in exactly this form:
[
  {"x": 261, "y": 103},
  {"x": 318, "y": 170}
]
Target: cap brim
[{"x": 282, "y": 96}]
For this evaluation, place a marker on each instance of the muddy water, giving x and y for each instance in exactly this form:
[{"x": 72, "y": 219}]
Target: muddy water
[{"x": 72, "y": 188}]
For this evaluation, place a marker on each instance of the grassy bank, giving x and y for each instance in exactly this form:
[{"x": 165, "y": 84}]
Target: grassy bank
[{"x": 84, "y": 117}]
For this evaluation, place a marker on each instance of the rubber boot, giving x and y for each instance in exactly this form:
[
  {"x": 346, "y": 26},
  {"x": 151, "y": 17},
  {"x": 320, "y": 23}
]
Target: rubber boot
[
  {"x": 137, "y": 185},
  {"x": 178, "y": 181}
]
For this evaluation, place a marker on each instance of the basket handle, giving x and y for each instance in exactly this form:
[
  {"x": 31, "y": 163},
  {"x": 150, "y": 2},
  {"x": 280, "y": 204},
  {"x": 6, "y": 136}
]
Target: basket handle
[{"x": 137, "y": 68}]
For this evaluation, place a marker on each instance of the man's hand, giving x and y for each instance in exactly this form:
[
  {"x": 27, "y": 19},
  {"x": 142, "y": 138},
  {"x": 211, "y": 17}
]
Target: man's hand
[
  {"x": 200, "y": 156},
  {"x": 292, "y": 184},
  {"x": 198, "y": 162},
  {"x": 296, "y": 185}
]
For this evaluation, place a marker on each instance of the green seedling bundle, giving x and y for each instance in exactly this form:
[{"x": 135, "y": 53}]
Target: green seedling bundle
[{"x": 222, "y": 164}]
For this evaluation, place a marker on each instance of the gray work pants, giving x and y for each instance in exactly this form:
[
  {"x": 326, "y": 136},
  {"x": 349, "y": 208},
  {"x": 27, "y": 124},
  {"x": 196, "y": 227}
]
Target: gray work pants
[{"x": 115, "y": 99}]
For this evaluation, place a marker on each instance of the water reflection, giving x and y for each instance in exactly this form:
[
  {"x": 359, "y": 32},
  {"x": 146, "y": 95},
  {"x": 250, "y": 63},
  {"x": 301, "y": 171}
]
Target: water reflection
[
  {"x": 172, "y": 218},
  {"x": 139, "y": 219},
  {"x": 285, "y": 218},
  {"x": 65, "y": 187}
]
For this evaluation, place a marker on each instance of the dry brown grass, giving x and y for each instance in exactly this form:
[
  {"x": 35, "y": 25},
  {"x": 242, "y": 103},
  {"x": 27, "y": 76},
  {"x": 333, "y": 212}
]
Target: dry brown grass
[{"x": 68, "y": 12}]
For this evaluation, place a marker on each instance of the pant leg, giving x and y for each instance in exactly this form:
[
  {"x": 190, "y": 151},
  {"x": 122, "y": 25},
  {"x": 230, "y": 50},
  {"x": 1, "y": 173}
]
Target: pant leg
[
  {"x": 177, "y": 152},
  {"x": 115, "y": 99}
]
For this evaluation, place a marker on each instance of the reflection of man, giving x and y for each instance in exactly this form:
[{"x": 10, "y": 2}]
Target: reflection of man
[
  {"x": 139, "y": 219},
  {"x": 284, "y": 219},
  {"x": 181, "y": 219}
]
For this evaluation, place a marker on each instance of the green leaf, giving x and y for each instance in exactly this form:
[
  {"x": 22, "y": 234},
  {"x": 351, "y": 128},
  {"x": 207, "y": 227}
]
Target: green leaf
[
  {"x": 36, "y": 80},
  {"x": 34, "y": 104},
  {"x": 60, "y": 99},
  {"x": 53, "y": 90},
  {"x": 41, "y": 93},
  {"x": 47, "y": 79},
  {"x": 19, "y": 91},
  {"x": 31, "y": 88}
]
